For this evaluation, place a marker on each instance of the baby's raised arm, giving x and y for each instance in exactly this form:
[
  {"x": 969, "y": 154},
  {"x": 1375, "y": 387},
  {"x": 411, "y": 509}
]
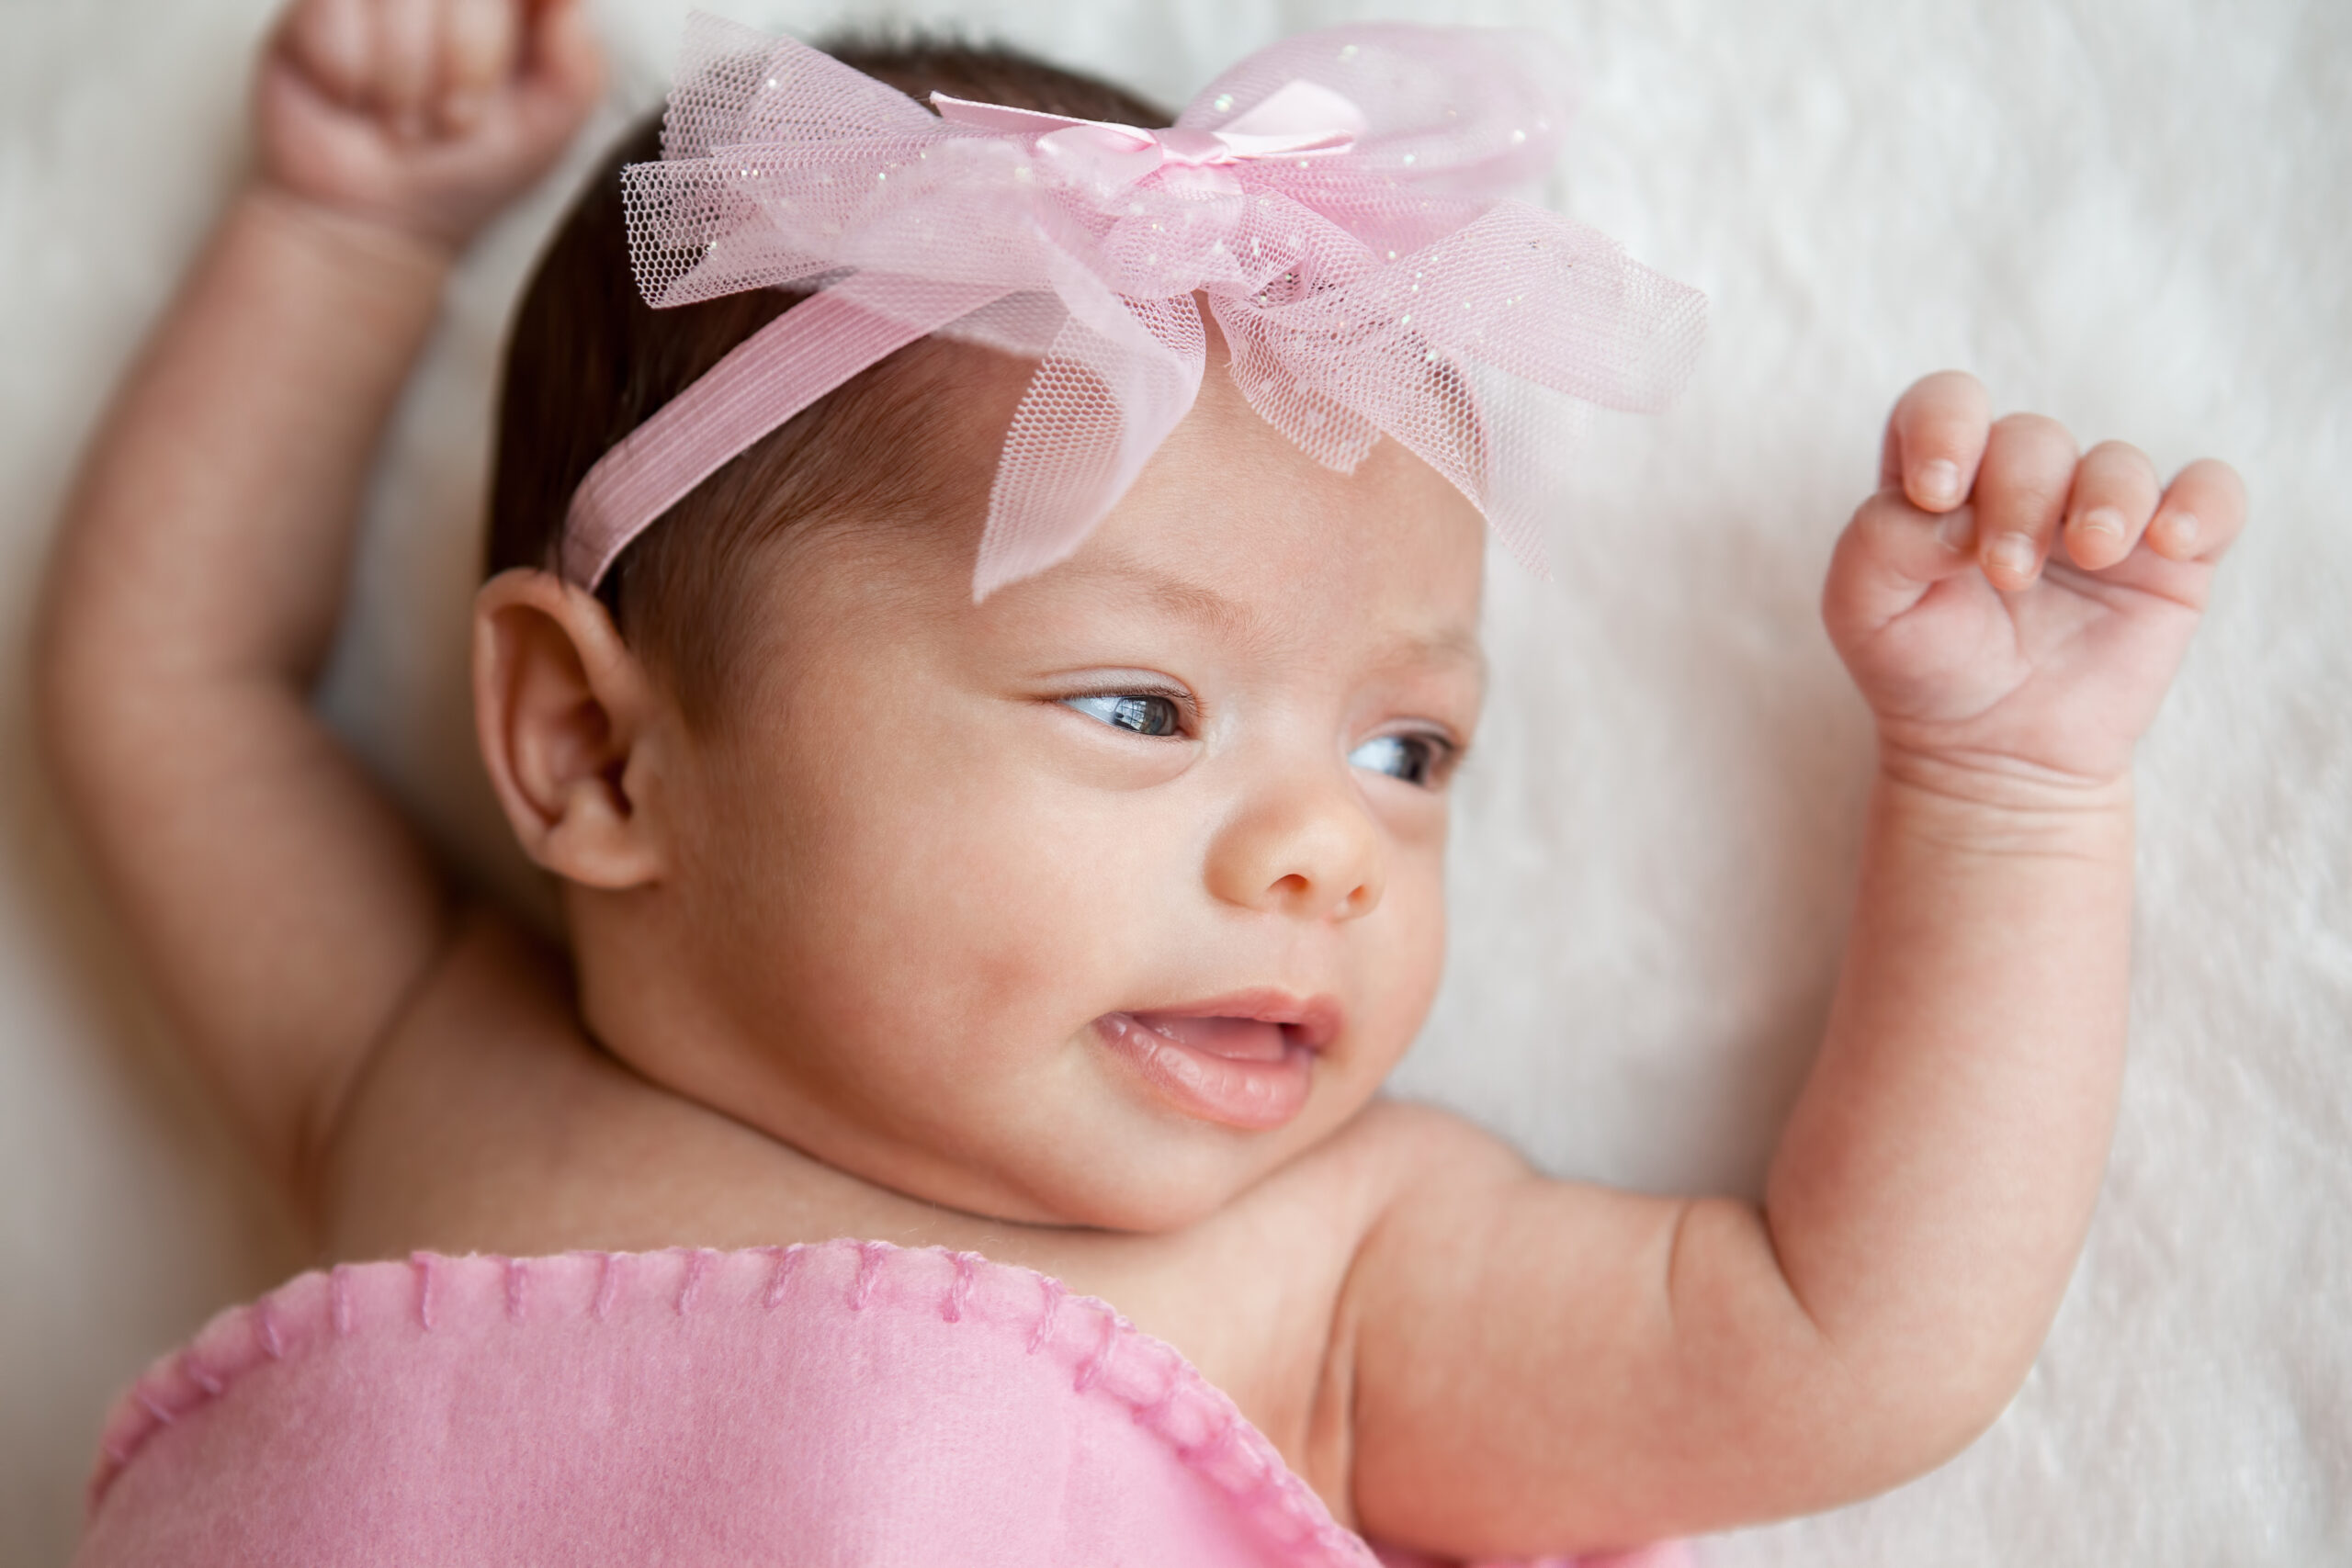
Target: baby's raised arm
[
  {"x": 281, "y": 903},
  {"x": 1539, "y": 1363}
]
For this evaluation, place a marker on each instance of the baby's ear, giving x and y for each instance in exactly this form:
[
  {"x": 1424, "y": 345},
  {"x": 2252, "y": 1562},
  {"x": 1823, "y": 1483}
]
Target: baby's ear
[{"x": 569, "y": 722}]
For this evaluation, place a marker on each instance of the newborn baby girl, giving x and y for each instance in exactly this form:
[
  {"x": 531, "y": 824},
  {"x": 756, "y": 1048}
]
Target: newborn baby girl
[{"x": 981, "y": 647}]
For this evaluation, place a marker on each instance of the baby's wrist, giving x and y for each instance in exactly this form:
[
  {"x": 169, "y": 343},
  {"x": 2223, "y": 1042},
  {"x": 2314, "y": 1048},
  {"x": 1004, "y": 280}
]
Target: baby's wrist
[
  {"x": 363, "y": 242},
  {"x": 2001, "y": 805}
]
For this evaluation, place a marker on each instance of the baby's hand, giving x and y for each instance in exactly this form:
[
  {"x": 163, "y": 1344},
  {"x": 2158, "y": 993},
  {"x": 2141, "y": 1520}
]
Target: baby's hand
[
  {"x": 1979, "y": 639},
  {"x": 427, "y": 116}
]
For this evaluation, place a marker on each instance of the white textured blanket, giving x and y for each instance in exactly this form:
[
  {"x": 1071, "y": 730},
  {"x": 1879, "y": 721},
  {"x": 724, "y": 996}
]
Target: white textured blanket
[{"x": 2135, "y": 216}]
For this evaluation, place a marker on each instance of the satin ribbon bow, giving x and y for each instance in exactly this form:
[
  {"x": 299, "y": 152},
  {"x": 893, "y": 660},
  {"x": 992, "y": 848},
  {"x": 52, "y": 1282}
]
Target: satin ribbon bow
[
  {"x": 1334, "y": 202},
  {"x": 1300, "y": 119}
]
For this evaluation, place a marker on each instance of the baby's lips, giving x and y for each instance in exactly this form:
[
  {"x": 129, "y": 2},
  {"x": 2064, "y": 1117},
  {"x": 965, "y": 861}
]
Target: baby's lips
[
  {"x": 1235, "y": 1039},
  {"x": 1309, "y": 1020},
  {"x": 1248, "y": 1073}
]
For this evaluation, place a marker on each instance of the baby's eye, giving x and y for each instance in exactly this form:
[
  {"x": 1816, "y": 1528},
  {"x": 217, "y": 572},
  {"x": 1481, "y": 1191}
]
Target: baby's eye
[
  {"x": 1413, "y": 758},
  {"x": 1137, "y": 713}
]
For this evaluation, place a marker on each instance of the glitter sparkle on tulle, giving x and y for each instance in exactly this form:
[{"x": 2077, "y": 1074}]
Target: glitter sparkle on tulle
[{"x": 1336, "y": 202}]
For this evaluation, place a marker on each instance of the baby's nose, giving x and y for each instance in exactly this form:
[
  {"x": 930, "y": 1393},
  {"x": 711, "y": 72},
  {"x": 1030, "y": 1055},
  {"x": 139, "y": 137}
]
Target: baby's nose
[{"x": 1308, "y": 848}]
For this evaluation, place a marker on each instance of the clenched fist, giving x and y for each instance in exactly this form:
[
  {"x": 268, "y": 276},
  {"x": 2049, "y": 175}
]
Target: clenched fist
[
  {"x": 2013, "y": 612},
  {"x": 427, "y": 116}
]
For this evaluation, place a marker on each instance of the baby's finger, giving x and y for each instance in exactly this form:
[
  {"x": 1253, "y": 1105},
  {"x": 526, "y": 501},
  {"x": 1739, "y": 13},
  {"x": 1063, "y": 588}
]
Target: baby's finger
[
  {"x": 1935, "y": 438},
  {"x": 407, "y": 42},
  {"x": 2115, "y": 494},
  {"x": 563, "y": 68},
  {"x": 327, "y": 40},
  {"x": 2200, "y": 514},
  {"x": 1887, "y": 559},
  {"x": 478, "y": 48},
  {"x": 563, "y": 45},
  {"x": 2020, "y": 495}
]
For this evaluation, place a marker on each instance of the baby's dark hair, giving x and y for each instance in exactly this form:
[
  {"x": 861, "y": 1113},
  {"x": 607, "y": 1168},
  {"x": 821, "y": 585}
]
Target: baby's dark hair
[{"x": 589, "y": 361}]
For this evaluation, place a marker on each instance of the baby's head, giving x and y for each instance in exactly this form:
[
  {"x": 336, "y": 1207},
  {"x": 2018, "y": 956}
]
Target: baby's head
[{"x": 1092, "y": 902}]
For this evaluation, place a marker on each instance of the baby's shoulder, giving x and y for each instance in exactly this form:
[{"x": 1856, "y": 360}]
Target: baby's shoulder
[
  {"x": 1392, "y": 1151},
  {"x": 1408, "y": 1144},
  {"x": 487, "y": 1119}
]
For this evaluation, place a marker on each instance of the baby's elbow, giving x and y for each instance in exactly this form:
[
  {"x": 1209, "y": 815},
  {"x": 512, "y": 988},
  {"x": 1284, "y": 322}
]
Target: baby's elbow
[
  {"x": 60, "y": 699},
  {"x": 1966, "y": 1403},
  {"x": 1921, "y": 1406},
  {"x": 1844, "y": 1396},
  {"x": 82, "y": 692}
]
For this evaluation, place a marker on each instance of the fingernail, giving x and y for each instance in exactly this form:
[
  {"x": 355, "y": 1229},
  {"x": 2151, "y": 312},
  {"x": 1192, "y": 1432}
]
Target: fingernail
[
  {"x": 1956, "y": 530},
  {"x": 2012, "y": 554},
  {"x": 2101, "y": 520},
  {"x": 1939, "y": 482},
  {"x": 2180, "y": 530}
]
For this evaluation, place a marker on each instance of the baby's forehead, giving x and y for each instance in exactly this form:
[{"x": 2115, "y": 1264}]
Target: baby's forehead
[
  {"x": 1229, "y": 531},
  {"x": 1402, "y": 617}
]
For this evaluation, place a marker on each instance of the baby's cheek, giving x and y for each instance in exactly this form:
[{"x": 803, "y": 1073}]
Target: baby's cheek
[
  {"x": 1400, "y": 959},
  {"x": 1004, "y": 905},
  {"x": 1036, "y": 927}
]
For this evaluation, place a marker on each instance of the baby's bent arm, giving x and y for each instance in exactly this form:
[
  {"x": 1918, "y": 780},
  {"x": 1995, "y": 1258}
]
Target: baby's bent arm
[
  {"x": 282, "y": 905},
  {"x": 1541, "y": 1366},
  {"x": 1544, "y": 1366}
]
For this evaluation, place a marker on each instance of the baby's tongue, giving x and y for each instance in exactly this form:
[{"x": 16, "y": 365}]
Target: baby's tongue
[{"x": 1236, "y": 1039}]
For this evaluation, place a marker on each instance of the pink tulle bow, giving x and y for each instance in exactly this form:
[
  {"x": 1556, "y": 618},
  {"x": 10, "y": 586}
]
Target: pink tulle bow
[
  {"x": 1336, "y": 201},
  {"x": 1112, "y": 156}
]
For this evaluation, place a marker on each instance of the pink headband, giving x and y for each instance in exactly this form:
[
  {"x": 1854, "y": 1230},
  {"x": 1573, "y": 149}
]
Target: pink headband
[{"x": 1333, "y": 198}]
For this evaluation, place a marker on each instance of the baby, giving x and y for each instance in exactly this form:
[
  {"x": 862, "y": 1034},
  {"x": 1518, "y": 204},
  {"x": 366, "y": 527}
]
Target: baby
[{"x": 1072, "y": 925}]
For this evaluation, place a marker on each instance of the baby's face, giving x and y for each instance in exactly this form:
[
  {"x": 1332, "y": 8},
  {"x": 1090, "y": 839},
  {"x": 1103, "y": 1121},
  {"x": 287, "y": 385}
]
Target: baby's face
[{"x": 1093, "y": 903}]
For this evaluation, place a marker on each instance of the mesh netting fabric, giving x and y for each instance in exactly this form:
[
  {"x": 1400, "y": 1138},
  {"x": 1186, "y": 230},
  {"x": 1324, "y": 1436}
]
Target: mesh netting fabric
[{"x": 1368, "y": 274}]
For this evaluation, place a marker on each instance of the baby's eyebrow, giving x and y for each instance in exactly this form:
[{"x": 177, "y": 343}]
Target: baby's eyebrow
[
  {"x": 1194, "y": 601},
  {"x": 1451, "y": 646},
  {"x": 1177, "y": 594}
]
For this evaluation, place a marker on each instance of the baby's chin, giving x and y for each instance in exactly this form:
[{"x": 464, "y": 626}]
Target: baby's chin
[
  {"x": 1060, "y": 1193},
  {"x": 1143, "y": 1209},
  {"x": 1135, "y": 1159}
]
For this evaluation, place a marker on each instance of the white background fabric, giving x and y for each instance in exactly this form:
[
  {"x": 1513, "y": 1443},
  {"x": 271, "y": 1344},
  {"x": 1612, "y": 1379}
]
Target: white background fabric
[{"x": 2131, "y": 215}]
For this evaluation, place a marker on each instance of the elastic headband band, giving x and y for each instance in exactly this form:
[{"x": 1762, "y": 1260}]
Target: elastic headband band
[{"x": 1332, "y": 200}]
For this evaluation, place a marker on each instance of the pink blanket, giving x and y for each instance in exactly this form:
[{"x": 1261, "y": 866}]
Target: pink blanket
[{"x": 847, "y": 1404}]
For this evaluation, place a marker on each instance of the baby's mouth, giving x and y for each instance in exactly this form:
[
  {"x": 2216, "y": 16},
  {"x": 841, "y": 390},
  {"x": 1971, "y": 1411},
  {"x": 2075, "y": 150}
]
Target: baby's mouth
[
  {"x": 1235, "y": 1039},
  {"x": 1250, "y": 1067}
]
